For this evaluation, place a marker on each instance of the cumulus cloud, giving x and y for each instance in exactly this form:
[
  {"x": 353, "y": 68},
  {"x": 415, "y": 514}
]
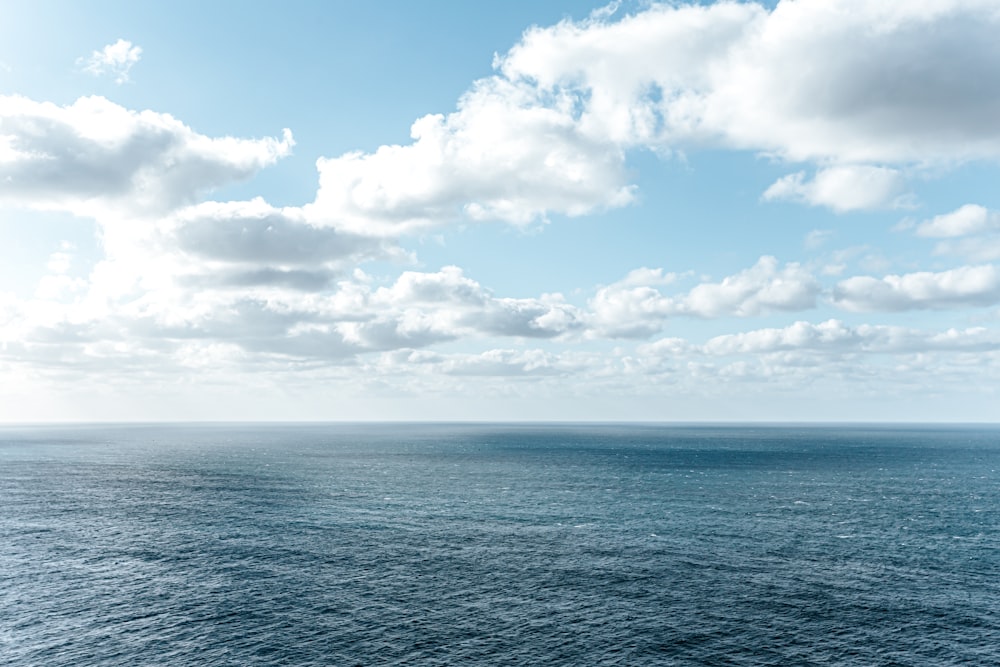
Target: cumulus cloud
[
  {"x": 94, "y": 156},
  {"x": 856, "y": 87},
  {"x": 801, "y": 335},
  {"x": 114, "y": 59},
  {"x": 634, "y": 308},
  {"x": 864, "y": 358},
  {"x": 623, "y": 311},
  {"x": 266, "y": 318},
  {"x": 855, "y": 82},
  {"x": 245, "y": 243},
  {"x": 505, "y": 154},
  {"x": 961, "y": 287},
  {"x": 964, "y": 221},
  {"x": 970, "y": 231},
  {"x": 833, "y": 336},
  {"x": 269, "y": 316},
  {"x": 847, "y": 188},
  {"x": 459, "y": 303},
  {"x": 255, "y": 298},
  {"x": 762, "y": 288},
  {"x": 639, "y": 80}
]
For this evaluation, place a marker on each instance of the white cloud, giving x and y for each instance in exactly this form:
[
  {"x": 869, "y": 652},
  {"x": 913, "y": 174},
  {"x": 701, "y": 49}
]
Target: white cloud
[
  {"x": 763, "y": 288},
  {"x": 504, "y": 155},
  {"x": 252, "y": 243},
  {"x": 247, "y": 294},
  {"x": 962, "y": 287},
  {"x": 115, "y": 59},
  {"x": 631, "y": 309},
  {"x": 835, "y": 337},
  {"x": 637, "y": 81},
  {"x": 461, "y": 304},
  {"x": 549, "y": 131},
  {"x": 163, "y": 315},
  {"x": 964, "y": 221},
  {"x": 970, "y": 231},
  {"x": 847, "y": 188},
  {"x": 853, "y": 82},
  {"x": 621, "y": 310},
  {"x": 94, "y": 156},
  {"x": 866, "y": 359},
  {"x": 801, "y": 335}
]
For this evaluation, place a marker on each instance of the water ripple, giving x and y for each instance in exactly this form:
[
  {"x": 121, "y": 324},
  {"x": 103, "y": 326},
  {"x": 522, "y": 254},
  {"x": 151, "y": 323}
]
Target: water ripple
[{"x": 499, "y": 545}]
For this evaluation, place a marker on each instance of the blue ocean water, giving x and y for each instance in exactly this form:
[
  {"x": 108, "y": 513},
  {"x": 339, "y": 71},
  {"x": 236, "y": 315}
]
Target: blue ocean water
[{"x": 499, "y": 545}]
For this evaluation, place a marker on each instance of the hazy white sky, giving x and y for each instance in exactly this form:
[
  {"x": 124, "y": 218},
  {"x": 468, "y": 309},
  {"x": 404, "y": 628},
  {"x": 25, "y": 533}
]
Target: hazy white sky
[{"x": 519, "y": 210}]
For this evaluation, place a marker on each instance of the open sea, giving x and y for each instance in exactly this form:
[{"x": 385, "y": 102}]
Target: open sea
[{"x": 498, "y": 544}]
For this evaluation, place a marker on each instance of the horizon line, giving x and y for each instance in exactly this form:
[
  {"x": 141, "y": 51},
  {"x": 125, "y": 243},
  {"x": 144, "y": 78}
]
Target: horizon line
[{"x": 511, "y": 422}]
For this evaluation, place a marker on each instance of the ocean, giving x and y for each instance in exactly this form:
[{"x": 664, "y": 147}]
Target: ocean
[{"x": 499, "y": 544}]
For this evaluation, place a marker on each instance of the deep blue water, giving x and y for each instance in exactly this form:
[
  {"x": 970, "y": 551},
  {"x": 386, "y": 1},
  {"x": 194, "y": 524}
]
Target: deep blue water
[{"x": 499, "y": 545}]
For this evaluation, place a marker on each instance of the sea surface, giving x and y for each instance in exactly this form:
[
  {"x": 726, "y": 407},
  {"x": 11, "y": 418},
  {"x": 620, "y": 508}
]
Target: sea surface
[{"x": 489, "y": 544}]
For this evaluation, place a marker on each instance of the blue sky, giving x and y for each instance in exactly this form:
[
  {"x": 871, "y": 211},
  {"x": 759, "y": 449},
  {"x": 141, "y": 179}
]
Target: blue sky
[{"x": 436, "y": 210}]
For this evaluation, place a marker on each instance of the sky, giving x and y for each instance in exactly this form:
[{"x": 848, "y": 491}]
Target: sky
[{"x": 713, "y": 211}]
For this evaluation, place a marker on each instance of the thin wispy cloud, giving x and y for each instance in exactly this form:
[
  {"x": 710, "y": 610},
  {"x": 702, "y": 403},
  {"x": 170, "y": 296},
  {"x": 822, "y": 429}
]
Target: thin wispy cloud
[{"x": 114, "y": 60}]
